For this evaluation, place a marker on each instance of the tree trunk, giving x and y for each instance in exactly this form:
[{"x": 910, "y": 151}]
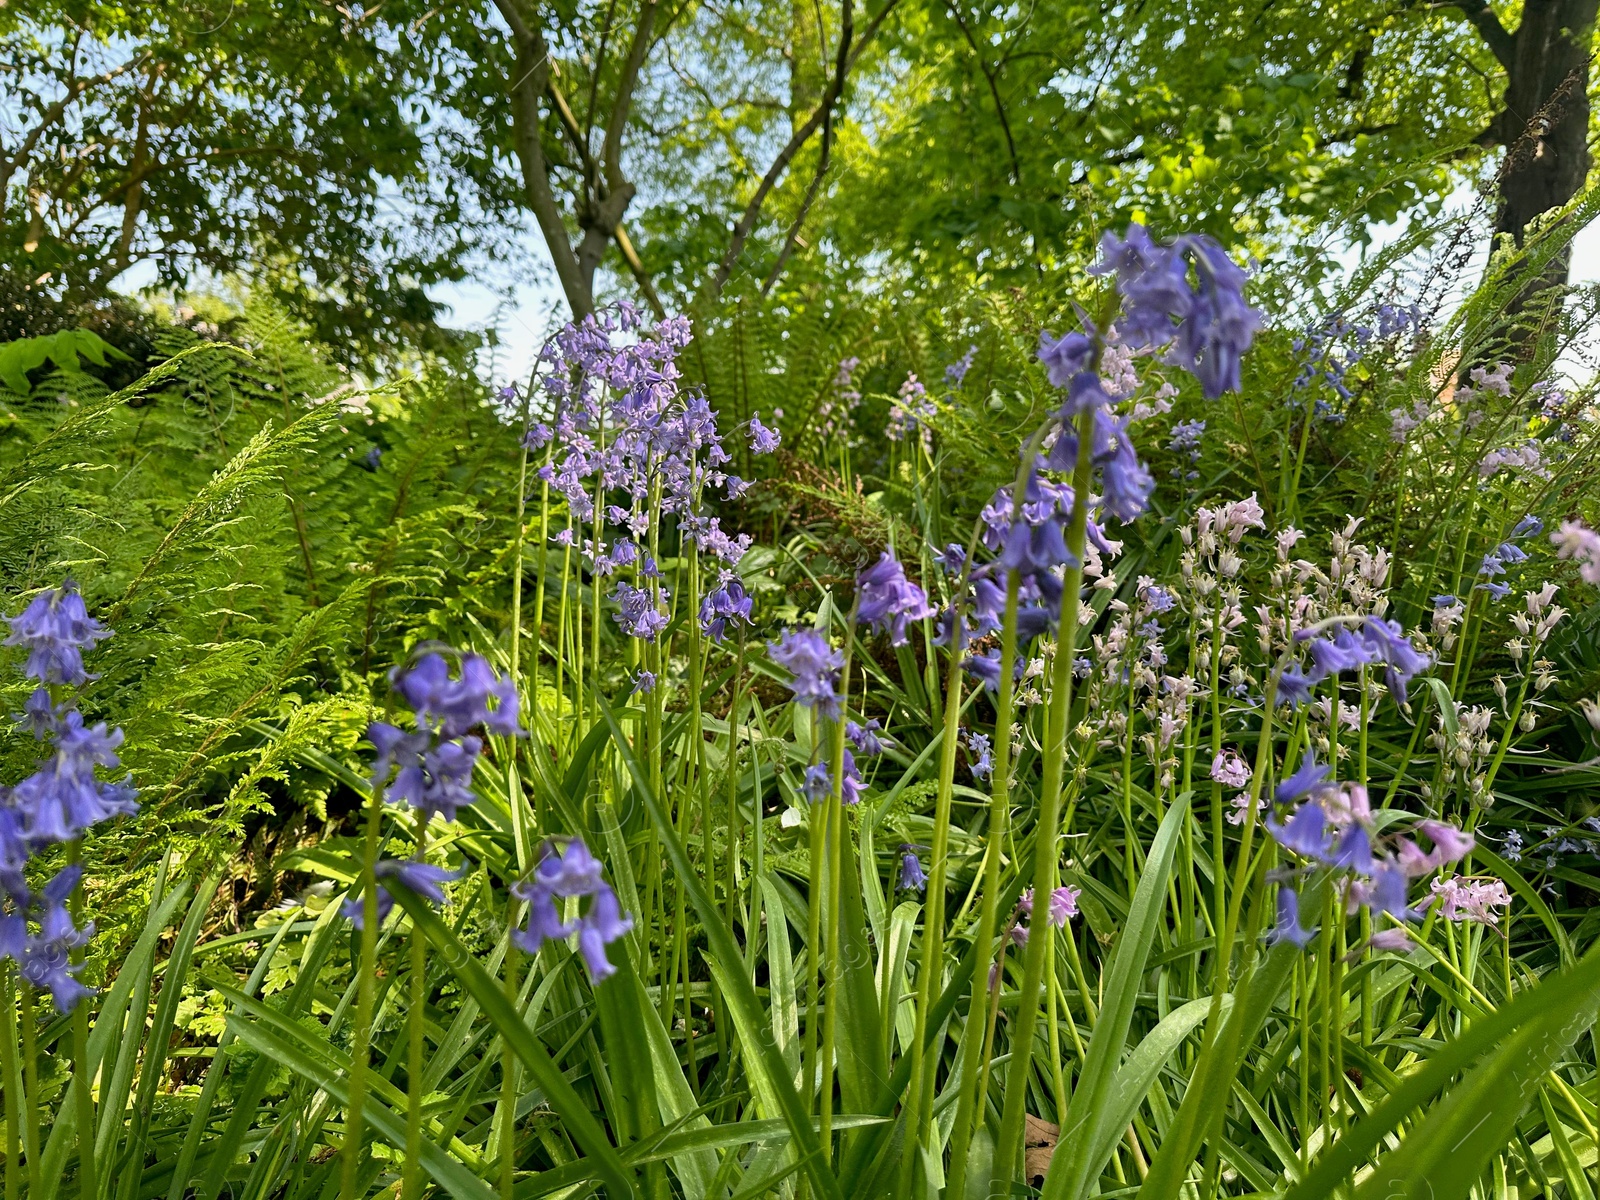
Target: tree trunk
[{"x": 1544, "y": 127}]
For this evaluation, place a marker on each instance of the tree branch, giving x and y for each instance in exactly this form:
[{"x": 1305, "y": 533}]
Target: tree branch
[
  {"x": 1501, "y": 43},
  {"x": 526, "y": 89},
  {"x": 848, "y": 54},
  {"x": 994, "y": 92}
]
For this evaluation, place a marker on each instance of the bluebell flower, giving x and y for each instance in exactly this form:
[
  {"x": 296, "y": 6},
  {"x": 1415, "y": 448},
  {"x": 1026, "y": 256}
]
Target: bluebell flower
[
  {"x": 979, "y": 746},
  {"x": 1288, "y": 929},
  {"x": 1342, "y": 652},
  {"x": 56, "y": 629},
  {"x": 1126, "y": 484},
  {"x": 40, "y": 714},
  {"x": 571, "y": 872},
  {"x": 762, "y": 439},
  {"x": 956, "y": 372},
  {"x": 1354, "y": 851},
  {"x": 818, "y": 785},
  {"x": 1305, "y": 832},
  {"x": 953, "y": 558},
  {"x": 1210, "y": 323},
  {"x": 729, "y": 602},
  {"x": 1497, "y": 591},
  {"x": 1509, "y": 552},
  {"x": 543, "y": 922},
  {"x": 1492, "y": 565},
  {"x": 1389, "y": 646},
  {"x": 644, "y": 682},
  {"x": 987, "y": 668},
  {"x": 458, "y": 704},
  {"x": 1445, "y": 600},
  {"x": 865, "y": 738},
  {"x": 1065, "y": 357},
  {"x": 638, "y": 612},
  {"x": 1530, "y": 525},
  {"x": 63, "y": 798},
  {"x": 419, "y": 877},
  {"x": 603, "y": 924},
  {"x": 887, "y": 600},
  {"x": 1309, "y": 778},
  {"x": 1387, "y": 893},
  {"x": 1294, "y": 688},
  {"x": 912, "y": 875},
  {"x": 814, "y": 665},
  {"x": 851, "y": 788}
]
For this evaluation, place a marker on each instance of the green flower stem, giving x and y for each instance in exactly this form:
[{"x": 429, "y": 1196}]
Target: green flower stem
[
  {"x": 30, "y": 1089},
  {"x": 8, "y": 1065},
  {"x": 833, "y": 846},
  {"x": 930, "y": 958},
  {"x": 82, "y": 1072},
  {"x": 366, "y": 986},
  {"x": 1008, "y": 1150},
  {"x": 416, "y": 1034},
  {"x": 968, "y": 1108}
]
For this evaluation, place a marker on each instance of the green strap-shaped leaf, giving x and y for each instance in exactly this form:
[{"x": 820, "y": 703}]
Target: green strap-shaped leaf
[
  {"x": 761, "y": 1054},
  {"x": 446, "y": 1171},
  {"x": 1445, "y": 1155},
  {"x": 502, "y": 1014},
  {"x": 1526, "y": 1032},
  {"x": 1090, "y": 1115},
  {"x": 1139, "y": 1074}
]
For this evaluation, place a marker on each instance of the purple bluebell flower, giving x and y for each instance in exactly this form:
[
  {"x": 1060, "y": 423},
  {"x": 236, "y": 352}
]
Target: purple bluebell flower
[
  {"x": 1063, "y": 904},
  {"x": 538, "y": 436},
  {"x": 603, "y": 924},
  {"x": 981, "y": 750},
  {"x": 1305, "y": 832},
  {"x": 1065, "y": 357},
  {"x": 953, "y": 558},
  {"x": 1445, "y": 601},
  {"x": 1492, "y": 565},
  {"x": 762, "y": 439},
  {"x": 729, "y": 602},
  {"x": 987, "y": 668},
  {"x": 1294, "y": 688},
  {"x": 63, "y": 798},
  {"x": 1353, "y": 852},
  {"x": 439, "y": 780},
  {"x": 1342, "y": 652},
  {"x": 1388, "y": 644},
  {"x": 419, "y": 877},
  {"x": 40, "y": 715},
  {"x": 1497, "y": 591},
  {"x": 1387, "y": 893},
  {"x": 1288, "y": 929},
  {"x": 887, "y": 600},
  {"x": 1125, "y": 483},
  {"x": 814, "y": 665},
  {"x": 865, "y": 738},
  {"x": 1450, "y": 843},
  {"x": 571, "y": 872},
  {"x": 638, "y": 612},
  {"x": 56, "y": 629},
  {"x": 1210, "y": 324},
  {"x": 1530, "y": 525},
  {"x": 818, "y": 783},
  {"x": 912, "y": 875},
  {"x": 851, "y": 788},
  {"x": 458, "y": 704},
  {"x": 644, "y": 682},
  {"x": 1311, "y": 777},
  {"x": 957, "y": 371}
]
